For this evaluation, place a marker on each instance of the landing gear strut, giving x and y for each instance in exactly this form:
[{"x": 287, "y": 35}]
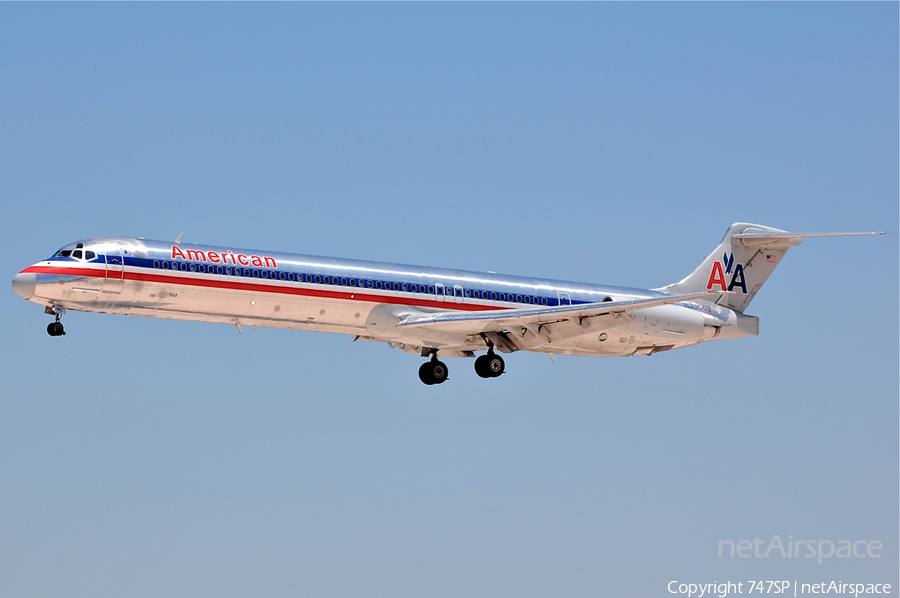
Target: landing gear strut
[
  {"x": 433, "y": 372},
  {"x": 55, "y": 328}
]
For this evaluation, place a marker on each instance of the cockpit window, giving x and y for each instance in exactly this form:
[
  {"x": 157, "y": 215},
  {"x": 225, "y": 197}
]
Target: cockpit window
[{"x": 78, "y": 252}]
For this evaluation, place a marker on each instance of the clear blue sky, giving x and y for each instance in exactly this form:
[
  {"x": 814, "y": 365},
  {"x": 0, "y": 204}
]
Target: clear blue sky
[{"x": 599, "y": 142}]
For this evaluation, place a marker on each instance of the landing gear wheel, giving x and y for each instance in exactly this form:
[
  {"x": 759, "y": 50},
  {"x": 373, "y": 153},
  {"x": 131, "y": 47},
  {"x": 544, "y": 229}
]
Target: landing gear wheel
[
  {"x": 425, "y": 374},
  {"x": 490, "y": 365},
  {"x": 433, "y": 372},
  {"x": 56, "y": 329},
  {"x": 481, "y": 366},
  {"x": 494, "y": 364}
]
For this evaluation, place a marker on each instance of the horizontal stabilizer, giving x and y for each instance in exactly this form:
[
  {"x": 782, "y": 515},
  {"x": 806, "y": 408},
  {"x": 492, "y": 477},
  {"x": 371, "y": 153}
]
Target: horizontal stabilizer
[
  {"x": 494, "y": 321},
  {"x": 762, "y": 238},
  {"x": 784, "y": 235}
]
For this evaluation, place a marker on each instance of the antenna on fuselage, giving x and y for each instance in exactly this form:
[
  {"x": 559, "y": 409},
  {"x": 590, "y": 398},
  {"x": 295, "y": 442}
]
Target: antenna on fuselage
[{"x": 178, "y": 240}]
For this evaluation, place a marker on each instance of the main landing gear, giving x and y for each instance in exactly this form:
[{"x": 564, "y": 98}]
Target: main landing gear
[
  {"x": 434, "y": 371},
  {"x": 486, "y": 366},
  {"x": 55, "y": 328},
  {"x": 490, "y": 365}
]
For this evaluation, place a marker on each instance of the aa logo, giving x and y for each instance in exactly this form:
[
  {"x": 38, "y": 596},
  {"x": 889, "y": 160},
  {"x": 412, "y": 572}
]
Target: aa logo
[{"x": 727, "y": 266}]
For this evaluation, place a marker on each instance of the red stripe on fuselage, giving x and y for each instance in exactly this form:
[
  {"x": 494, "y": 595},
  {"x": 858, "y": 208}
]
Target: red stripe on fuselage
[{"x": 264, "y": 288}]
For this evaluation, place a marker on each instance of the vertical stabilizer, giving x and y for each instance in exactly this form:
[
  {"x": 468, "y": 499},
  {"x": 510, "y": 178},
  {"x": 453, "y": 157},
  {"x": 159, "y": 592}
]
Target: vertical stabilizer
[{"x": 741, "y": 264}]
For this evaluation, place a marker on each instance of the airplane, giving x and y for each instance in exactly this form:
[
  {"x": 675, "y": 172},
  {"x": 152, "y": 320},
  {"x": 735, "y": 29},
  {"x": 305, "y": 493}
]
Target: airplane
[{"x": 426, "y": 311}]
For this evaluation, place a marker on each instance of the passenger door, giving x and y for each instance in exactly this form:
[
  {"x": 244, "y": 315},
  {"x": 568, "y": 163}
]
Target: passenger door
[{"x": 115, "y": 268}]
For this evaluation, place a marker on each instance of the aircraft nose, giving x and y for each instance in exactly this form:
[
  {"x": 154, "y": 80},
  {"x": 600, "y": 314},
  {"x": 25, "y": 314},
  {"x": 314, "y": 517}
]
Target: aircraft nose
[{"x": 23, "y": 284}]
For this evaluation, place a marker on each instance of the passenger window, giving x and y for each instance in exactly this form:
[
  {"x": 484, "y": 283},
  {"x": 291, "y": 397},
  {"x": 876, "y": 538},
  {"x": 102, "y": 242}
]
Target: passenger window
[
  {"x": 165, "y": 265},
  {"x": 404, "y": 287},
  {"x": 369, "y": 284},
  {"x": 77, "y": 254},
  {"x": 282, "y": 275},
  {"x": 183, "y": 267},
  {"x": 396, "y": 286},
  {"x": 378, "y": 284},
  {"x": 468, "y": 293},
  {"x": 219, "y": 269},
  {"x": 156, "y": 263},
  {"x": 193, "y": 268},
  {"x": 543, "y": 301},
  {"x": 493, "y": 295}
]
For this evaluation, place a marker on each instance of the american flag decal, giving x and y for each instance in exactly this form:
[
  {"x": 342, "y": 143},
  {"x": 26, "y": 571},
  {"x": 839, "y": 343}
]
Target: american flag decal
[{"x": 770, "y": 258}]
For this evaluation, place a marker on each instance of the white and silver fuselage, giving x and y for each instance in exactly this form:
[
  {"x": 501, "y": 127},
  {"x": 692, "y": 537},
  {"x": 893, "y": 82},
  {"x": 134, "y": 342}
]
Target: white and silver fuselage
[{"x": 360, "y": 298}]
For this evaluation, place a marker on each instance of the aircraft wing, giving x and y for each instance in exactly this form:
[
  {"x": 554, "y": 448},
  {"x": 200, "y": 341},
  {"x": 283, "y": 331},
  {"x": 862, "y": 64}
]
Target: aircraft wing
[{"x": 498, "y": 321}]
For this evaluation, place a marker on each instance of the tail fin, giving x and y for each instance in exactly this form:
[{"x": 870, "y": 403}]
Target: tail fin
[{"x": 741, "y": 263}]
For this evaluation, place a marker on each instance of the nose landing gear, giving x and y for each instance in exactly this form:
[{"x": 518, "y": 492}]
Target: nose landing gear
[{"x": 56, "y": 328}]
